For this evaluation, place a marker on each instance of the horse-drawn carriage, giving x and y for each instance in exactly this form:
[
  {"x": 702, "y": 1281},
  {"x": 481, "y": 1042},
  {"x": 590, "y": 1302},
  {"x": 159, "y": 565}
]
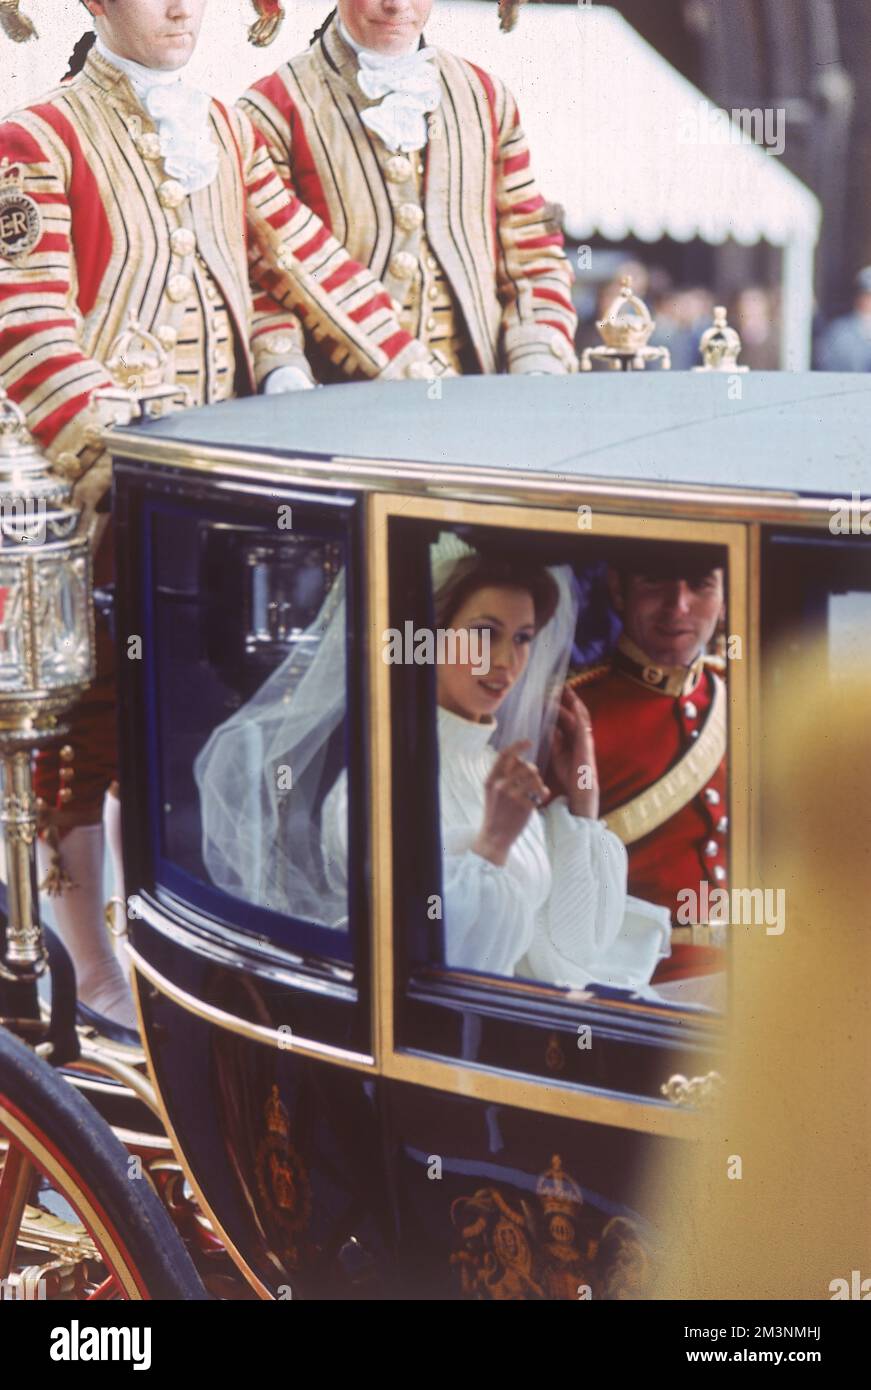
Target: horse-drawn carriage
[{"x": 359, "y": 1109}]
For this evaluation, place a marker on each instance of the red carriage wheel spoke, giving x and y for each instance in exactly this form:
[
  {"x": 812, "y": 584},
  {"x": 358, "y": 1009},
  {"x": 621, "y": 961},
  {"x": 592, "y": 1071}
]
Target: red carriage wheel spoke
[{"x": 108, "y": 1289}]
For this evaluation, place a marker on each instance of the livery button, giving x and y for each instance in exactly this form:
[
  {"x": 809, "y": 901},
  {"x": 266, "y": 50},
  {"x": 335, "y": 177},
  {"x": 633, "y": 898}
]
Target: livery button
[
  {"x": 712, "y": 849},
  {"x": 433, "y": 292},
  {"x": 171, "y": 194},
  {"x": 183, "y": 242},
  {"x": 690, "y": 710},
  {"x": 409, "y": 216},
  {"x": 398, "y": 168},
  {"x": 719, "y": 873},
  {"x": 432, "y": 263},
  {"x": 723, "y": 824},
  {"x": 712, "y": 796},
  {"x": 179, "y": 288},
  {"x": 431, "y": 325},
  {"x": 167, "y": 336},
  {"x": 403, "y": 265},
  {"x": 148, "y": 145}
]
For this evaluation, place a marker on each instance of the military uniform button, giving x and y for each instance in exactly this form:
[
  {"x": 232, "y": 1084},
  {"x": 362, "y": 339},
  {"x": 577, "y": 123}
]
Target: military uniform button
[
  {"x": 179, "y": 288},
  {"x": 712, "y": 796},
  {"x": 690, "y": 710},
  {"x": 398, "y": 168},
  {"x": 66, "y": 774},
  {"x": 712, "y": 849},
  {"x": 171, "y": 194},
  {"x": 409, "y": 216},
  {"x": 148, "y": 145},
  {"x": 719, "y": 874},
  {"x": 66, "y": 754},
  {"x": 65, "y": 794},
  {"x": 403, "y": 265},
  {"x": 723, "y": 824},
  {"x": 182, "y": 242},
  {"x": 694, "y": 733}
]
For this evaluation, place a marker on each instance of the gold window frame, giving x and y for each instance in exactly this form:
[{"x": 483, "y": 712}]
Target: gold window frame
[{"x": 492, "y": 1085}]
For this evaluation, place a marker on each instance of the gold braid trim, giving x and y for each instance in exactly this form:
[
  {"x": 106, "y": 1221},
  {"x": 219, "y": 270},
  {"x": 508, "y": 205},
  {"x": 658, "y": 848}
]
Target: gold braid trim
[
  {"x": 57, "y": 880},
  {"x": 15, "y": 25}
]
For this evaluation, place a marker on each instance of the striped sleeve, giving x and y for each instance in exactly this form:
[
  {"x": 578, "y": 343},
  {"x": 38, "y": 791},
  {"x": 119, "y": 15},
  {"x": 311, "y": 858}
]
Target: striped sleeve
[
  {"x": 534, "y": 274},
  {"x": 42, "y": 365},
  {"x": 297, "y": 261}
]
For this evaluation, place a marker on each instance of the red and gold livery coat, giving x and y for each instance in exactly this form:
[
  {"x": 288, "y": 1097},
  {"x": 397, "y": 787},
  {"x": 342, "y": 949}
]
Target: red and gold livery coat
[
  {"x": 660, "y": 750},
  {"x": 484, "y": 219},
  {"x": 113, "y": 239}
]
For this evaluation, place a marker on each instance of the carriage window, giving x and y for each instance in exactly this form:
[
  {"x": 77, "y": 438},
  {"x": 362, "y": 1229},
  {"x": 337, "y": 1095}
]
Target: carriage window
[
  {"x": 576, "y": 699},
  {"x": 252, "y": 629}
]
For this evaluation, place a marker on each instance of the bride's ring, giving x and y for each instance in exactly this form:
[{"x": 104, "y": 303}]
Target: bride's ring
[{"x": 534, "y": 797}]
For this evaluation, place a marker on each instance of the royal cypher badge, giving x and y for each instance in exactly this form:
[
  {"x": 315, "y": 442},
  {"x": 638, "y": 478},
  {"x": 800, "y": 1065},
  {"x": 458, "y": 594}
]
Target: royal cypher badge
[{"x": 20, "y": 218}]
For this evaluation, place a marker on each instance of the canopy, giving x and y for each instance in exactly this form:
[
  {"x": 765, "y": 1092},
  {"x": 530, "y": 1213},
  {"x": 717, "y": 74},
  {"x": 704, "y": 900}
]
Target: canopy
[{"x": 625, "y": 143}]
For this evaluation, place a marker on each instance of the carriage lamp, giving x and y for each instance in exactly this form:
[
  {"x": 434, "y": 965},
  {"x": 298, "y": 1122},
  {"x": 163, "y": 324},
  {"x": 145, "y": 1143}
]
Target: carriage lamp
[
  {"x": 625, "y": 332},
  {"x": 720, "y": 346},
  {"x": 47, "y": 658}
]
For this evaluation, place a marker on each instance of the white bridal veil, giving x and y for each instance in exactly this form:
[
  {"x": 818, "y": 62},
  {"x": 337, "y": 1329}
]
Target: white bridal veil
[{"x": 261, "y": 775}]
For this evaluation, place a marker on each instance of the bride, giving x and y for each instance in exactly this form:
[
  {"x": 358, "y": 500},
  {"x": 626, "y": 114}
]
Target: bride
[{"x": 534, "y": 884}]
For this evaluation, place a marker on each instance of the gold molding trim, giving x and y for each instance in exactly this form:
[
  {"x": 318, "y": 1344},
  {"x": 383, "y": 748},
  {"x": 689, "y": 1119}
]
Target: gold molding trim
[
  {"x": 254, "y": 1032},
  {"x": 235, "y": 1254},
  {"x": 478, "y": 484}
]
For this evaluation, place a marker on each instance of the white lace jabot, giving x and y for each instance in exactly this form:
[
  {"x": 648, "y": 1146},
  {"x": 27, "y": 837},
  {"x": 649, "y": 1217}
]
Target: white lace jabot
[
  {"x": 181, "y": 114},
  {"x": 409, "y": 87}
]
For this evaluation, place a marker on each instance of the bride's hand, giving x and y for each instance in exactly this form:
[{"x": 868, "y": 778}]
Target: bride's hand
[
  {"x": 512, "y": 792},
  {"x": 572, "y": 771}
]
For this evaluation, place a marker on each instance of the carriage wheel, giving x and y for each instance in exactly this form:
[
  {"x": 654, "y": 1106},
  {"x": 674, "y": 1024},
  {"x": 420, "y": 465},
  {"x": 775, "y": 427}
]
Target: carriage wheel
[{"x": 75, "y": 1219}]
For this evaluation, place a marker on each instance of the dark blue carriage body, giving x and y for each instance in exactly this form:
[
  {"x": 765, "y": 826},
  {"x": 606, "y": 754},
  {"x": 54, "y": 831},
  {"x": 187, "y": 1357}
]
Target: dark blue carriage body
[{"x": 358, "y": 1120}]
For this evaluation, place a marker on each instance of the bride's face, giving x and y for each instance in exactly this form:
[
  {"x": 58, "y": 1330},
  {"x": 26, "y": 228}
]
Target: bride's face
[{"x": 507, "y": 617}]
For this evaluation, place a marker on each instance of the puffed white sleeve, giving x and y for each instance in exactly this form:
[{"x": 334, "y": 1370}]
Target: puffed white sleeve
[
  {"x": 334, "y": 834},
  {"x": 488, "y": 920},
  {"x": 584, "y": 911}
]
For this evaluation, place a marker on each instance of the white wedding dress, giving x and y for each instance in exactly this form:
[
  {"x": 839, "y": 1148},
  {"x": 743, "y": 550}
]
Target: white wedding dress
[{"x": 557, "y": 911}]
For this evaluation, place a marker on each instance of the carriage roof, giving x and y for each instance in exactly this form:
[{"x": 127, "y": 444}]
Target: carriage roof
[{"x": 801, "y": 433}]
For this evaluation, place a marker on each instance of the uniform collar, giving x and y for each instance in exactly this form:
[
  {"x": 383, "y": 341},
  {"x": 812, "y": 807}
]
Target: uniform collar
[{"x": 663, "y": 680}]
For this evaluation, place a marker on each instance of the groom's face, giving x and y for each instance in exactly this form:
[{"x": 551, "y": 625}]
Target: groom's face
[
  {"x": 156, "y": 33},
  {"x": 387, "y": 26}
]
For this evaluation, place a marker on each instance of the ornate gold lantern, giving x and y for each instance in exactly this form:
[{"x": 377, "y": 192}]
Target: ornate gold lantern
[
  {"x": 625, "y": 331},
  {"x": 47, "y": 657}
]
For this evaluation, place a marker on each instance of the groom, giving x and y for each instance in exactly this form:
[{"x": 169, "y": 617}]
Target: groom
[{"x": 137, "y": 204}]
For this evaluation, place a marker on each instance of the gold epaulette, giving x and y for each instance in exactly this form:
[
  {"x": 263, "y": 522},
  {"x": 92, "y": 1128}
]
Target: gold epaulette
[{"x": 589, "y": 674}]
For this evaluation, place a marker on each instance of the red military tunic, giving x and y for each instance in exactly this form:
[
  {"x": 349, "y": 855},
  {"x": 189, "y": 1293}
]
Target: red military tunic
[{"x": 645, "y": 719}]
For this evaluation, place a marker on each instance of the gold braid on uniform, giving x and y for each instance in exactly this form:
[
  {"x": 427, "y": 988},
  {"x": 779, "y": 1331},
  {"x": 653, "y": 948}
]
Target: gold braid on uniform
[
  {"x": 57, "y": 880},
  {"x": 590, "y": 673},
  {"x": 14, "y": 24}
]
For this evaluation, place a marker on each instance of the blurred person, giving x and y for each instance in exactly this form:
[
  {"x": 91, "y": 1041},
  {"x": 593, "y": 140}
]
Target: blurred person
[
  {"x": 845, "y": 346},
  {"x": 753, "y": 315},
  {"x": 131, "y": 203},
  {"x": 417, "y": 161}
]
